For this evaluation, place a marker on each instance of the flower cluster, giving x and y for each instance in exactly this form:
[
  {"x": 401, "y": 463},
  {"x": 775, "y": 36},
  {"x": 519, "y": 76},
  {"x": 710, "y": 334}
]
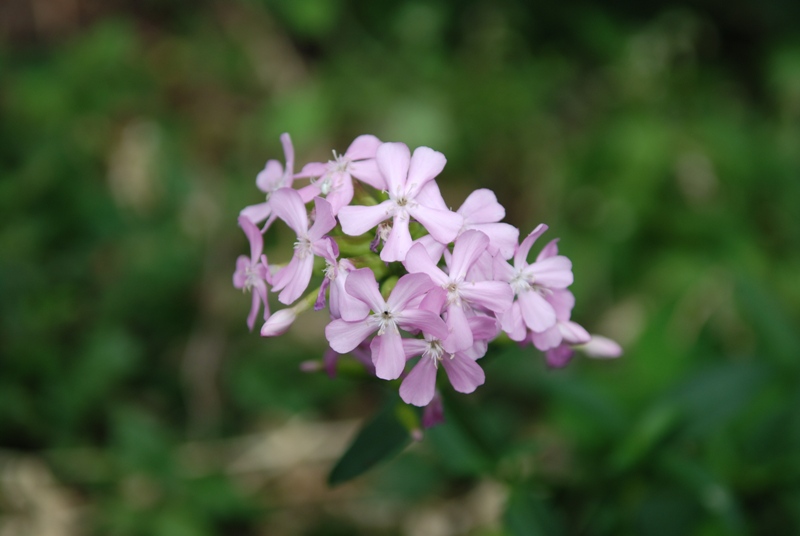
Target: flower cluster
[{"x": 402, "y": 275}]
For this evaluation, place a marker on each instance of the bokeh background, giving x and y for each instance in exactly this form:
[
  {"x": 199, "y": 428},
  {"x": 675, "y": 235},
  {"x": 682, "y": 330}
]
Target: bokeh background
[{"x": 659, "y": 140}]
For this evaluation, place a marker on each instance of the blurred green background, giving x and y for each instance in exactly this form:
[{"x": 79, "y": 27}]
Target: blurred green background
[{"x": 660, "y": 143}]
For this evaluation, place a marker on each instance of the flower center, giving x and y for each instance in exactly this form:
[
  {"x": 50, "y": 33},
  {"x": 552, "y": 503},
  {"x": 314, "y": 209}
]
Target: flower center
[
  {"x": 385, "y": 321},
  {"x": 521, "y": 283},
  {"x": 434, "y": 351},
  {"x": 302, "y": 247},
  {"x": 251, "y": 276}
]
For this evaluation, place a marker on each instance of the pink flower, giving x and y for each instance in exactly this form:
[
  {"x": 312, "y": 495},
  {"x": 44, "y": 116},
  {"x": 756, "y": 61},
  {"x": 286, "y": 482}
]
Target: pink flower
[
  {"x": 335, "y": 178},
  {"x": 253, "y": 274},
  {"x": 272, "y": 178},
  {"x": 406, "y": 179},
  {"x": 463, "y": 293},
  {"x": 342, "y": 304},
  {"x": 531, "y": 282},
  {"x": 386, "y": 318},
  {"x": 294, "y": 277},
  {"x": 564, "y": 329}
]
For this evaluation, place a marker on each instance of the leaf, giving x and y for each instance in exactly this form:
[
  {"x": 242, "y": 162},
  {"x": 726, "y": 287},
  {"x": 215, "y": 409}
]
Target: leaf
[
  {"x": 527, "y": 515},
  {"x": 380, "y": 439}
]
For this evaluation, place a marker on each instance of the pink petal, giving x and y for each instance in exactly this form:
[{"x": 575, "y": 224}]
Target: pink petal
[
  {"x": 521, "y": 256},
  {"x": 443, "y": 225},
  {"x": 601, "y": 348},
  {"x": 547, "y": 339},
  {"x": 460, "y": 336},
  {"x": 573, "y": 332},
  {"x": 430, "y": 196},
  {"x": 502, "y": 270},
  {"x": 560, "y": 356},
  {"x": 254, "y": 307},
  {"x": 361, "y": 284},
  {"x": 418, "y": 261},
  {"x": 562, "y": 301},
  {"x": 503, "y": 237},
  {"x": 279, "y": 323},
  {"x": 364, "y": 146},
  {"x": 253, "y": 236},
  {"x": 493, "y": 295},
  {"x": 269, "y": 177},
  {"x": 420, "y": 384},
  {"x": 513, "y": 324},
  {"x": 240, "y": 275},
  {"x": 434, "y": 300},
  {"x": 288, "y": 206},
  {"x": 408, "y": 287},
  {"x": 345, "y": 336},
  {"x": 313, "y": 169},
  {"x": 324, "y": 220},
  {"x": 367, "y": 172},
  {"x": 482, "y": 207},
  {"x": 414, "y": 347},
  {"x": 357, "y": 220},
  {"x": 393, "y": 161},
  {"x": 388, "y": 355},
  {"x": 398, "y": 242},
  {"x": 553, "y": 272},
  {"x": 430, "y": 323},
  {"x": 288, "y": 153},
  {"x": 433, "y": 414},
  {"x": 309, "y": 192},
  {"x": 425, "y": 165},
  {"x": 469, "y": 246},
  {"x": 537, "y": 313},
  {"x": 298, "y": 280},
  {"x": 257, "y": 213},
  {"x": 483, "y": 327},
  {"x": 550, "y": 250},
  {"x": 341, "y": 196},
  {"x": 465, "y": 375},
  {"x": 347, "y": 307},
  {"x": 434, "y": 248}
]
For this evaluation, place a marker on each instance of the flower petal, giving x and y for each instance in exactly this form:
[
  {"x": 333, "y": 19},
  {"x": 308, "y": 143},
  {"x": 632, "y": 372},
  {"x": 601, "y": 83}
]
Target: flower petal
[
  {"x": 481, "y": 206},
  {"x": 443, "y": 225},
  {"x": 288, "y": 206},
  {"x": 388, "y": 355},
  {"x": 393, "y": 161},
  {"x": 357, "y": 220},
  {"x": 367, "y": 172},
  {"x": 430, "y": 323},
  {"x": 361, "y": 284},
  {"x": 521, "y": 256},
  {"x": 550, "y": 250},
  {"x": 345, "y": 336},
  {"x": 553, "y": 272},
  {"x": 537, "y": 313},
  {"x": 324, "y": 220},
  {"x": 418, "y": 261},
  {"x": 408, "y": 287},
  {"x": 399, "y": 241},
  {"x": 493, "y": 295},
  {"x": 364, "y": 146},
  {"x": 253, "y": 236},
  {"x": 420, "y": 384},
  {"x": 465, "y": 375},
  {"x": 425, "y": 165},
  {"x": 270, "y": 177},
  {"x": 257, "y": 213},
  {"x": 298, "y": 281},
  {"x": 573, "y": 332},
  {"x": 460, "y": 336},
  {"x": 503, "y": 237},
  {"x": 601, "y": 348},
  {"x": 468, "y": 247}
]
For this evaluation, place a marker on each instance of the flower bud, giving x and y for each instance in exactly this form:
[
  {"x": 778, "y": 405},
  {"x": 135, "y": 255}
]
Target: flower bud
[
  {"x": 278, "y": 323},
  {"x": 601, "y": 347}
]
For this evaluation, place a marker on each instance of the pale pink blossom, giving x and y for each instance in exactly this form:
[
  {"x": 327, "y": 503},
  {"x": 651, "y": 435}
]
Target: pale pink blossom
[
  {"x": 463, "y": 293},
  {"x": 273, "y": 177},
  {"x": 252, "y": 274},
  {"x": 531, "y": 283},
  {"x": 387, "y": 317},
  {"x": 407, "y": 178},
  {"x": 334, "y": 179},
  {"x": 293, "y": 279}
]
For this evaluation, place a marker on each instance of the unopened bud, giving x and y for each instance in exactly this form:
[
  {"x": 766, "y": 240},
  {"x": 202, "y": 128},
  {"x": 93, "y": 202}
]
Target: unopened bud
[{"x": 278, "y": 323}]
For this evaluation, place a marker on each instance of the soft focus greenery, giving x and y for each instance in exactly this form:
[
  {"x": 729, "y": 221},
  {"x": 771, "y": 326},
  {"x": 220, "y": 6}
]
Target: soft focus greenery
[{"x": 662, "y": 145}]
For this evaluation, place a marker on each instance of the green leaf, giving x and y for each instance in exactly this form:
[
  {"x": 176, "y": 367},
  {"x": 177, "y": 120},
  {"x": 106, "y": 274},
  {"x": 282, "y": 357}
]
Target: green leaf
[
  {"x": 380, "y": 439},
  {"x": 528, "y": 515}
]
